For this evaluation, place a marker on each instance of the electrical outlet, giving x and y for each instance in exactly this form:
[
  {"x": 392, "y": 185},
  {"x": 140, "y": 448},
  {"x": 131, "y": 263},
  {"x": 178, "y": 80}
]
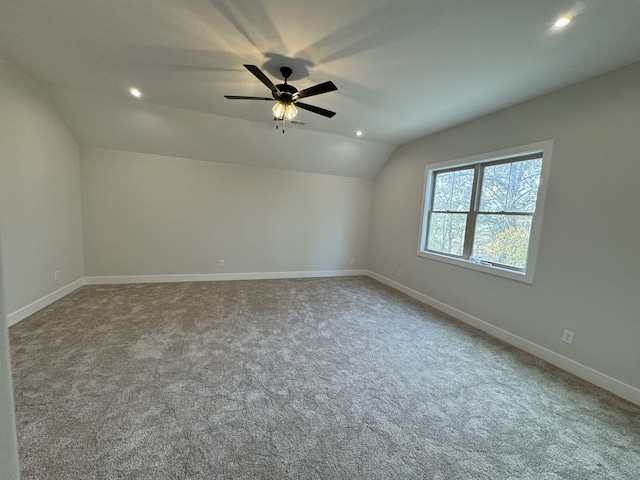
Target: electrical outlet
[
  {"x": 221, "y": 263},
  {"x": 567, "y": 337},
  {"x": 399, "y": 272},
  {"x": 56, "y": 275},
  {"x": 353, "y": 260}
]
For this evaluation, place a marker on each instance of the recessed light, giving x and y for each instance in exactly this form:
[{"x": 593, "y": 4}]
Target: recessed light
[
  {"x": 562, "y": 22},
  {"x": 135, "y": 92},
  {"x": 359, "y": 133}
]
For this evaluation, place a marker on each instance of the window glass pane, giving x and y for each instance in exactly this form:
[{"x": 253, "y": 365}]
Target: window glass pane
[
  {"x": 446, "y": 233},
  {"x": 452, "y": 191},
  {"x": 511, "y": 187},
  {"x": 502, "y": 239}
]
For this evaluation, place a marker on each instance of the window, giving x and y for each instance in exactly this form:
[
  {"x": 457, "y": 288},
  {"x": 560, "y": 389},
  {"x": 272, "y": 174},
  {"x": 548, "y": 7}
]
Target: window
[{"x": 484, "y": 212}]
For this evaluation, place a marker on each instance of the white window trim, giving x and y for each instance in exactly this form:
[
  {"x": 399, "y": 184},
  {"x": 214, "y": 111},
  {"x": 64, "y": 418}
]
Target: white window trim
[{"x": 544, "y": 147}]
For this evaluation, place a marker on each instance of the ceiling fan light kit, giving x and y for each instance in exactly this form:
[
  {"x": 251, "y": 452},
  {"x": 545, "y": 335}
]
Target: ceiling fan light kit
[
  {"x": 284, "y": 111},
  {"x": 287, "y": 96}
]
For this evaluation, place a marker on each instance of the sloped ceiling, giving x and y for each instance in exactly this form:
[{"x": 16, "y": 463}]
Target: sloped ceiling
[{"x": 403, "y": 68}]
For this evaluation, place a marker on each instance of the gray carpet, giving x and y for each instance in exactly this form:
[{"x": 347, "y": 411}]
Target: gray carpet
[{"x": 310, "y": 378}]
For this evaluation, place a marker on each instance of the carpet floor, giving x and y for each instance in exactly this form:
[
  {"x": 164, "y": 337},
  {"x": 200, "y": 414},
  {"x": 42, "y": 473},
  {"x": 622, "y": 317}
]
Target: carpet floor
[{"x": 337, "y": 378}]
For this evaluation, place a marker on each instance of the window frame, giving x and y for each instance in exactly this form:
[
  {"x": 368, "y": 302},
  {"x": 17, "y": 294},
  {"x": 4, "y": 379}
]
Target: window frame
[{"x": 478, "y": 162}]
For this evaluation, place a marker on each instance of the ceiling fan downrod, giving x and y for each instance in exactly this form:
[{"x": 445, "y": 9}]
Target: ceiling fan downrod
[{"x": 287, "y": 102}]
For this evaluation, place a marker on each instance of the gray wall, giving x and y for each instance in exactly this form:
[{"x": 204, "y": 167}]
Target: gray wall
[
  {"x": 588, "y": 271},
  {"x": 8, "y": 444},
  {"x": 155, "y": 215},
  {"x": 40, "y": 216}
]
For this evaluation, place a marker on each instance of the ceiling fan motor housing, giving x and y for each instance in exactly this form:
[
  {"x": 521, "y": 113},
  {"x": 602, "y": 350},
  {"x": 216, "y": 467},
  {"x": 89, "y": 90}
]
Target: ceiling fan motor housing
[
  {"x": 286, "y": 90},
  {"x": 285, "y": 93}
]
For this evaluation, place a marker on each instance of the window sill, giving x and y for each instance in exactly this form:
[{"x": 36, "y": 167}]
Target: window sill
[{"x": 489, "y": 269}]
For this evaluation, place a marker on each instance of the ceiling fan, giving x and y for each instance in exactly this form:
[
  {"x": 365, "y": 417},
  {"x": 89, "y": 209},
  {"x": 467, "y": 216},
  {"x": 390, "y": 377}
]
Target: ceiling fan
[{"x": 287, "y": 96}]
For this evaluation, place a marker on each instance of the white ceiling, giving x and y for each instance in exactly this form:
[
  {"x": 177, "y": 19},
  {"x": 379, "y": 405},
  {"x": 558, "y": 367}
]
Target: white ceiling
[{"x": 403, "y": 68}]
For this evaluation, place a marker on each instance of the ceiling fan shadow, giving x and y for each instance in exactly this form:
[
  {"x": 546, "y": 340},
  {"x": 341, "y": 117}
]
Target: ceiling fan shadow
[
  {"x": 299, "y": 66},
  {"x": 250, "y": 19},
  {"x": 182, "y": 62},
  {"x": 384, "y": 25}
]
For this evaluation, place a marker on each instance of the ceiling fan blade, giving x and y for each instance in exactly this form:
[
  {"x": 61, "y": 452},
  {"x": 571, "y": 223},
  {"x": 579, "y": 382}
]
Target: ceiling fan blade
[
  {"x": 262, "y": 77},
  {"x": 316, "y": 90},
  {"x": 314, "y": 109},
  {"x": 240, "y": 97}
]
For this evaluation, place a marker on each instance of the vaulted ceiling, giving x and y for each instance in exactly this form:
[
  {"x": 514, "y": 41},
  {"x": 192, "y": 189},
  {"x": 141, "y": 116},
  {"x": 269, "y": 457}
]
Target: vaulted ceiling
[{"x": 403, "y": 68}]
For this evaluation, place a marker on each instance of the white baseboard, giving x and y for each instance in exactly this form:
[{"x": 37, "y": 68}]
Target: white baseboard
[
  {"x": 610, "y": 384},
  {"x": 215, "y": 277},
  {"x": 32, "y": 308}
]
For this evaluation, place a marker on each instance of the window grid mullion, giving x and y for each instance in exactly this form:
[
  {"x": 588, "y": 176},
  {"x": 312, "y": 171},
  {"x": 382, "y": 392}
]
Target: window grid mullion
[
  {"x": 473, "y": 212},
  {"x": 524, "y": 214}
]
